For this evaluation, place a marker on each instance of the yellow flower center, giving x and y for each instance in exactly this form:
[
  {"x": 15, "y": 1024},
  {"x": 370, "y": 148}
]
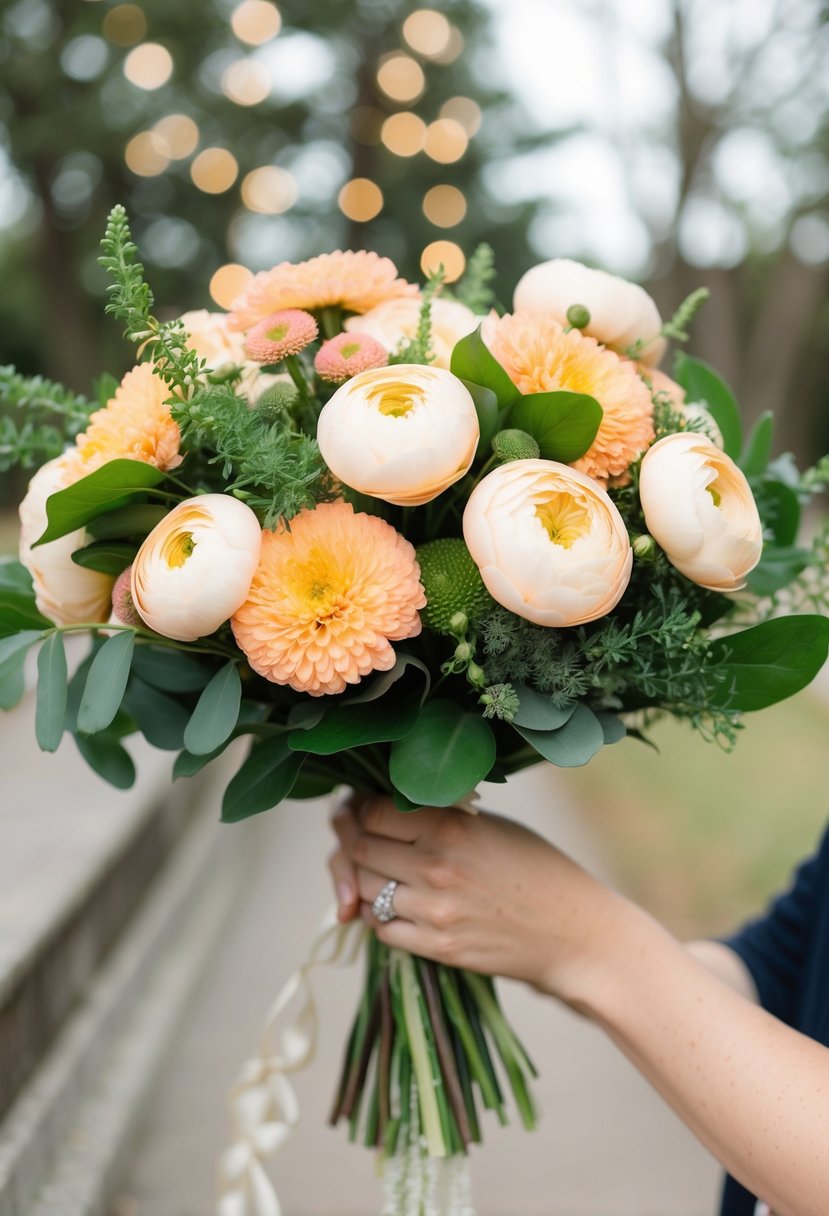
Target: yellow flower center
[
  {"x": 563, "y": 518},
  {"x": 714, "y": 492},
  {"x": 348, "y": 349},
  {"x": 277, "y": 332},
  {"x": 177, "y": 547},
  {"x": 395, "y": 400}
]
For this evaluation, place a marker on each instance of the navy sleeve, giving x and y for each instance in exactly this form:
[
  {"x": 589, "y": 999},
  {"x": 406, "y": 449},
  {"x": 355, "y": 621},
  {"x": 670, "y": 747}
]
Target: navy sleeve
[{"x": 774, "y": 946}]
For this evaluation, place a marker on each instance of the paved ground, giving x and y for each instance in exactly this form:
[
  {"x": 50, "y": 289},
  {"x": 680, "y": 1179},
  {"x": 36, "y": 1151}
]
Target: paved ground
[{"x": 606, "y": 1145}]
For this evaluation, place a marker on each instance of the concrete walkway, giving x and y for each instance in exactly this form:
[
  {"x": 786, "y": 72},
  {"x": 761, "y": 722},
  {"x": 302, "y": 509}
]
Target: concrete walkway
[{"x": 606, "y": 1145}]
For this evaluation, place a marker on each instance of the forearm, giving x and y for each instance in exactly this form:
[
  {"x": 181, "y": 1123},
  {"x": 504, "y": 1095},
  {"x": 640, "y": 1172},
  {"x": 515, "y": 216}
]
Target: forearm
[{"x": 753, "y": 1090}]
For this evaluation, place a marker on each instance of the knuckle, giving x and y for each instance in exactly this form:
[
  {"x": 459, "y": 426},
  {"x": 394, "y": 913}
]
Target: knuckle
[
  {"x": 442, "y": 875},
  {"x": 358, "y": 849},
  {"x": 453, "y": 829},
  {"x": 445, "y": 948},
  {"x": 372, "y": 816},
  {"x": 443, "y": 916}
]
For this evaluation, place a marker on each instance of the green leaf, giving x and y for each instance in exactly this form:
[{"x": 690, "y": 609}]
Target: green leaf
[
  {"x": 110, "y": 486},
  {"x": 346, "y": 726},
  {"x": 305, "y": 714},
  {"x": 472, "y": 360},
  {"x": 779, "y": 509},
  {"x": 757, "y": 452},
  {"x": 701, "y": 383},
  {"x": 13, "y": 649},
  {"x": 160, "y": 719},
  {"x": 403, "y": 803},
  {"x": 13, "y": 685},
  {"x": 573, "y": 744},
  {"x": 445, "y": 756},
  {"x": 52, "y": 691},
  {"x": 250, "y": 715},
  {"x": 106, "y": 683},
  {"x": 313, "y": 785},
  {"x": 14, "y": 576},
  {"x": 536, "y": 711},
  {"x": 18, "y": 611},
  {"x": 563, "y": 424},
  {"x": 778, "y": 567},
  {"x": 105, "y": 556},
  {"x": 613, "y": 728},
  {"x": 216, "y": 712},
  {"x": 137, "y": 520},
  {"x": 379, "y": 685},
  {"x": 169, "y": 669},
  {"x": 265, "y": 778},
  {"x": 769, "y": 662},
  {"x": 108, "y": 758},
  {"x": 486, "y": 407}
]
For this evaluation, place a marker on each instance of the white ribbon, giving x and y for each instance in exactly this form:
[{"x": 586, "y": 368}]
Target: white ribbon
[{"x": 263, "y": 1104}]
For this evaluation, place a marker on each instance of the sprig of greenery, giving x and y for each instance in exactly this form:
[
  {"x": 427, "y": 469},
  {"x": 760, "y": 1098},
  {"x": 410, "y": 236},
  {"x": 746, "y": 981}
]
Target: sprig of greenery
[
  {"x": 474, "y": 289},
  {"x": 131, "y": 300},
  {"x": 37, "y": 437},
  {"x": 816, "y": 479},
  {"x": 419, "y": 348},
  {"x": 677, "y": 327}
]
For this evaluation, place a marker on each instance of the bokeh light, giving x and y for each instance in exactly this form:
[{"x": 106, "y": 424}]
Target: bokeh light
[
  {"x": 360, "y": 200},
  {"x": 401, "y": 78},
  {"x": 255, "y": 22},
  {"x": 148, "y": 66},
  {"x": 444, "y": 206},
  {"x": 404, "y": 133},
  {"x": 125, "y": 24},
  {"x": 228, "y": 282},
  {"x": 178, "y": 135},
  {"x": 446, "y": 141},
  {"x": 84, "y": 57},
  {"x": 465, "y": 111},
  {"x": 146, "y": 155},
  {"x": 428, "y": 32},
  {"x": 269, "y": 190},
  {"x": 214, "y": 170},
  {"x": 446, "y": 254},
  {"x": 246, "y": 82},
  {"x": 454, "y": 47}
]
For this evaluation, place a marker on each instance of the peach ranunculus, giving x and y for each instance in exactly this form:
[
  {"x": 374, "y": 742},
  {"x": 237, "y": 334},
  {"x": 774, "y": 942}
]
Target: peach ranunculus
[
  {"x": 402, "y": 433},
  {"x": 549, "y": 543},
  {"x": 539, "y": 357},
  {"x": 699, "y": 508},
  {"x": 135, "y": 424},
  {"x": 354, "y": 281},
  {"x": 622, "y": 314},
  {"x": 395, "y": 320},
  {"x": 328, "y": 598},
  {"x": 194, "y": 569},
  {"x": 65, "y": 592}
]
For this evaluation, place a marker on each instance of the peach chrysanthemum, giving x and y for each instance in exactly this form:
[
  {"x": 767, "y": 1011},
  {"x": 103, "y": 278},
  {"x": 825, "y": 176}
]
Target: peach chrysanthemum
[
  {"x": 354, "y": 281},
  {"x": 342, "y": 357},
  {"x": 280, "y": 335},
  {"x": 135, "y": 424},
  {"x": 540, "y": 357},
  {"x": 327, "y": 600}
]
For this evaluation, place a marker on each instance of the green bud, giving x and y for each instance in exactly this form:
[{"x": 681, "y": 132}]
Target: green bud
[
  {"x": 578, "y": 316},
  {"x": 513, "y": 444},
  {"x": 644, "y": 546},
  {"x": 453, "y": 585},
  {"x": 459, "y": 623},
  {"x": 276, "y": 400},
  {"x": 463, "y": 651},
  {"x": 475, "y": 675},
  {"x": 221, "y": 375}
]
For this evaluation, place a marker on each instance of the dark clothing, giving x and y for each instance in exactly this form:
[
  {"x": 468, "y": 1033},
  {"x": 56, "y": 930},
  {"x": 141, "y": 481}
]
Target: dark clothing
[{"x": 787, "y": 953}]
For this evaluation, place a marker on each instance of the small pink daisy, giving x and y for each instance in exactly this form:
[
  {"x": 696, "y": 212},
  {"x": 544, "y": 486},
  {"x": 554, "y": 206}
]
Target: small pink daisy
[
  {"x": 342, "y": 357},
  {"x": 280, "y": 335}
]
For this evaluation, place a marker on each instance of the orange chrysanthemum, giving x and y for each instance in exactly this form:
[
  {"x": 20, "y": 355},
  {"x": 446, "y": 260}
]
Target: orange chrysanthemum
[
  {"x": 328, "y": 599},
  {"x": 354, "y": 281},
  {"x": 135, "y": 424},
  {"x": 539, "y": 357}
]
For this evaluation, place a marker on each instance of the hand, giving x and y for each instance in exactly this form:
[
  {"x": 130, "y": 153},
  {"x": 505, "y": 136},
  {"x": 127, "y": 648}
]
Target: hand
[{"x": 475, "y": 891}]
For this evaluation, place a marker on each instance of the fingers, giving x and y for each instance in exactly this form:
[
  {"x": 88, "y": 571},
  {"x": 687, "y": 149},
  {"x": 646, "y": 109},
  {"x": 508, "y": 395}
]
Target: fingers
[
  {"x": 404, "y": 902},
  {"x": 344, "y": 877},
  {"x": 381, "y": 817},
  {"x": 386, "y": 858}
]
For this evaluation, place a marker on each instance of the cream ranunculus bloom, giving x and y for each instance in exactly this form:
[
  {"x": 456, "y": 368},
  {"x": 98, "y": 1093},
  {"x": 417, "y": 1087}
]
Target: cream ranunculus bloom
[
  {"x": 549, "y": 543},
  {"x": 621, "y": 313},
  {"x": 699, "y": 508},
  {"x": 395, "y": 320},
  {"x": 195, "y": 568},
  {"x": 402, "y": 433},
  {"x": 66, "y": 593}
]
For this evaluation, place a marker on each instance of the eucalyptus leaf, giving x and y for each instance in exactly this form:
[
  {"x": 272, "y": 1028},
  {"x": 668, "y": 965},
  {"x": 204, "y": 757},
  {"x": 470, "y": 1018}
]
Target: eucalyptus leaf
[
  {"x": 768, "y": 662},
  {"x": 613, "y": 728},
  {"x": 251, "y": 714},
  {"x": 444, "y": 757},
  {"x": 757, "y": 453},
  {"x": 161, "y": 720},
  {"x": 537, "y": 711},
  {"x": 266, "y": 777},
  {"x": 701, "y": 383},
  {"x": 472, "y": 360},
  {"x": 313, "y": 785},
  {"x": 136, "y": 520},
  {"x": 18, "y": 611},
  {"x": 108, "y": 758},
  {"x": 380, "y": 684},
  {"x": 107, "y": 557},
  {"x": 346, "y": 726},
  {"x": 15, "y": 577},
  {"x": 573, "y": 744},
  {"x": 169, "y": 669},
  {"x": 216, "y": 712},
  {"x": 13, "y": 649},
  {"x": 106, "y": 683},
  {"x": 305, "y": 714},
  {"x": 52, "y": 692},
  {"x": 563, "y": 424},
  {"x": 112, "y": 485},
  {"x": 13, "y": 685}
]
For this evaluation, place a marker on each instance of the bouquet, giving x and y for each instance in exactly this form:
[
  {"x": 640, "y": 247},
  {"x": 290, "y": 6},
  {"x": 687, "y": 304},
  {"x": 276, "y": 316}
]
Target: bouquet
[{"x": 402, "y": 541}]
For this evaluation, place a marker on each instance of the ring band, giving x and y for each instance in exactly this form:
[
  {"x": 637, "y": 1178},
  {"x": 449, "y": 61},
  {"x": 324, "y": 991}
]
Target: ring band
[{"x": 383, "y": 906}]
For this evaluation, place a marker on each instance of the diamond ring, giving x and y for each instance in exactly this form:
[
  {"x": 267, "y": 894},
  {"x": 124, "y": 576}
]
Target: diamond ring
[{"x": 383, "y": 906}]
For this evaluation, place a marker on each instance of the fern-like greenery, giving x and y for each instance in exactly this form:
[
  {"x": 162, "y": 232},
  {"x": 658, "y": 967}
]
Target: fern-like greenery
[
  {"x": 474, "y": 289},
  {"x": 677, "y": 327},
  {"x": 419, "y": 348},
  {"x": 49, "y": 415}
]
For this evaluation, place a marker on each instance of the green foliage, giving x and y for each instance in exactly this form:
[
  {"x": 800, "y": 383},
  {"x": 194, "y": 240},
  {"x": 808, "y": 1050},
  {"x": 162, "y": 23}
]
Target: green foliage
[
  {"x": 769, "y": 662},
  {"x": 474, "y": 289},
  {"x": 113, "y": 485},
  {"x": 563, "y": 424},
  {"x": 571, "y": 745},
  {"x": 472, "y": 360},
  {"x": 106, "y": 683},
  {"x": 677, "y": 327},
  {"x": 345, "y": 725},
  {"x": 419, "y": 348},
  {"x": 444, "y": 757},
  {"x": 701, "y": 383},
  {"x": 452, "y": 583},
  {"x": 265, "y": 778},
  {"x": 18, "y": 609},
  {"x": 217, "y": 712},
  {"x": 52, "y": 692},
  {"x": 37, "y": 437}
]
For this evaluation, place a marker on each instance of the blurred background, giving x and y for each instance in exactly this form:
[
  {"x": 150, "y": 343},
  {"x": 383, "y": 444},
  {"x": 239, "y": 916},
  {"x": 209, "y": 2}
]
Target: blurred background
[{"x": 675, "y": 142}]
